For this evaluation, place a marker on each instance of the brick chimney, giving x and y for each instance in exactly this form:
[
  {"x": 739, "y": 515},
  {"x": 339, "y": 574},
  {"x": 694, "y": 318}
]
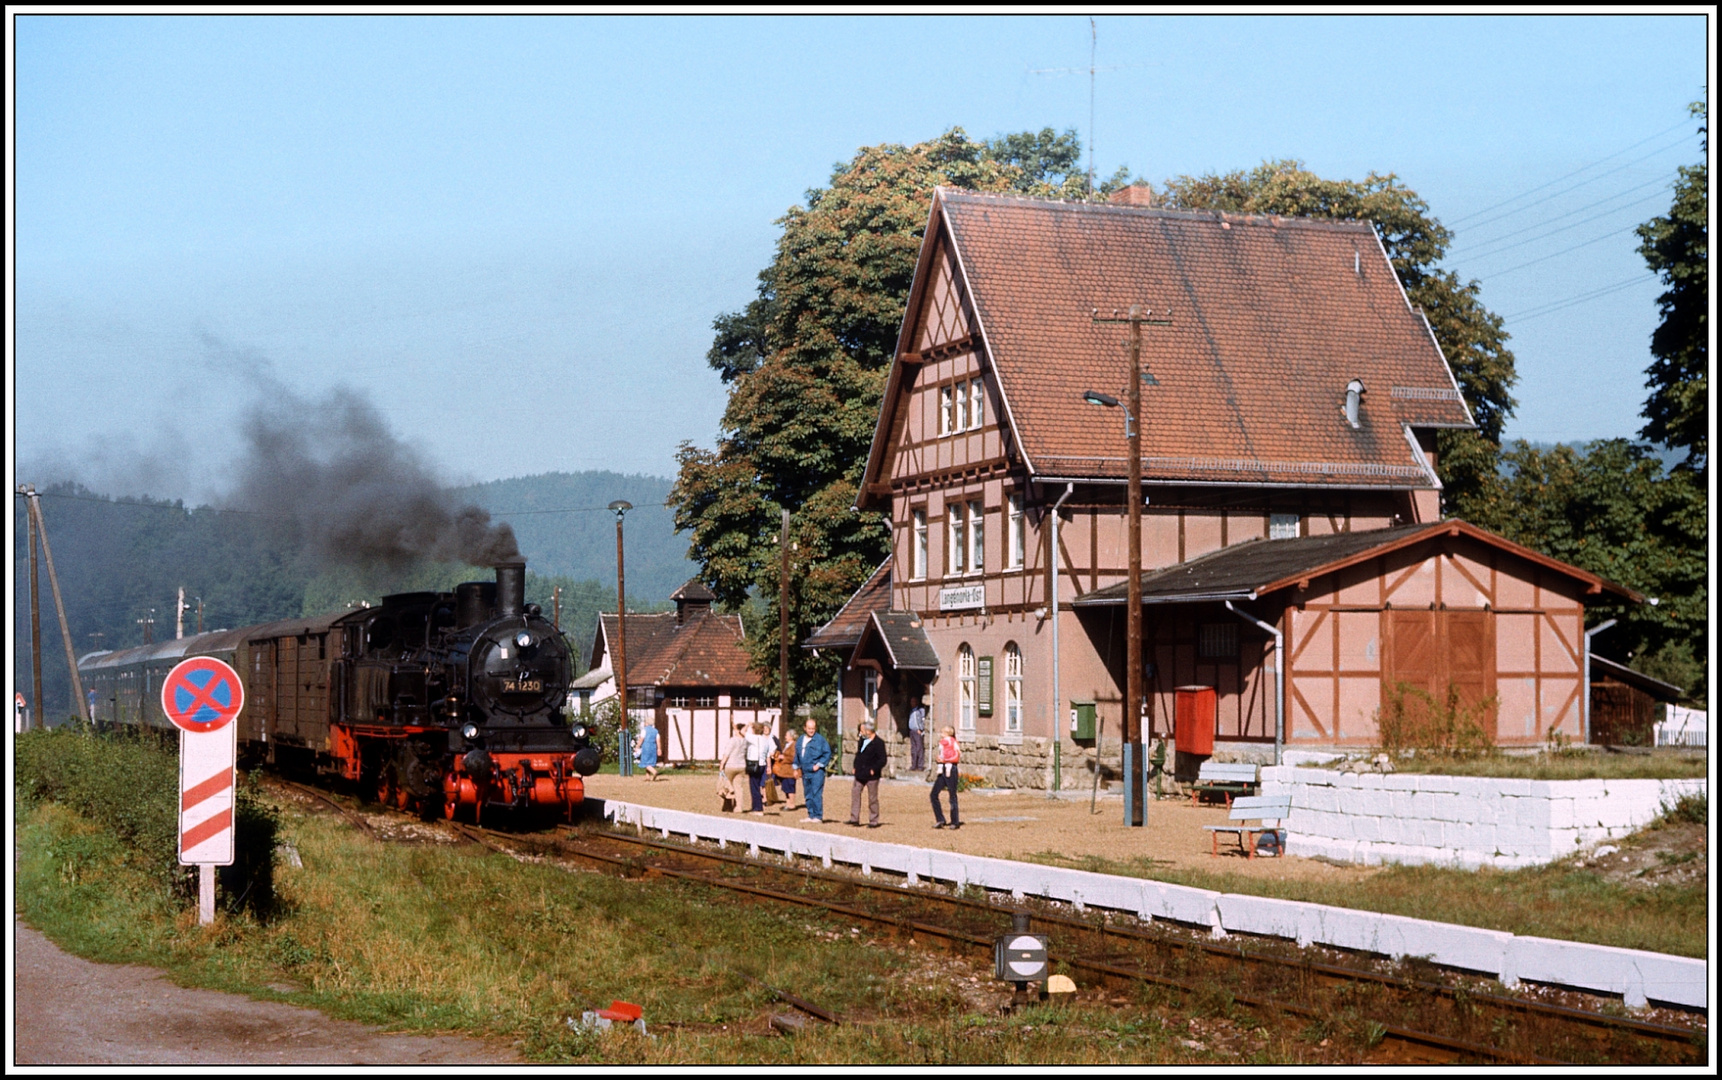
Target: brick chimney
[{"x": 1139, "y": 194}]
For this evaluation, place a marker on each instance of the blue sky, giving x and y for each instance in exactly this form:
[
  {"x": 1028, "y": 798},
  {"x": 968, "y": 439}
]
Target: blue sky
[{"x": 534, "y": 220}]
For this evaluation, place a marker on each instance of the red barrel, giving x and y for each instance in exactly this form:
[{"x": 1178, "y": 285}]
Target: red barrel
[{"x": 1193, "y": 719}]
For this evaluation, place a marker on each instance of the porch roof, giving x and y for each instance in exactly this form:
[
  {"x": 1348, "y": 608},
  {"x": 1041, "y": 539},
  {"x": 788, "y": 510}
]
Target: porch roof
[{"x": 1250, "y": 569}]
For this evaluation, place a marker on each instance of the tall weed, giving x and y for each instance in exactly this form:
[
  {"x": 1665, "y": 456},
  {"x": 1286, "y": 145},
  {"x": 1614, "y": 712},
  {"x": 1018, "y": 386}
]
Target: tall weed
[{"x": 1413, "y": 719}]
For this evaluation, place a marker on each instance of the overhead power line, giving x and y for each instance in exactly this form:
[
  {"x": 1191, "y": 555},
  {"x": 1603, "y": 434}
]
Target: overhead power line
[
  {"x": 1563, "y": 251},
  {"x": 1577, "y": 171},
  {"x": 1564, "y": 228},
  {"x": 1557, "y": 305},
  {"x": 1658, "y": 183}
]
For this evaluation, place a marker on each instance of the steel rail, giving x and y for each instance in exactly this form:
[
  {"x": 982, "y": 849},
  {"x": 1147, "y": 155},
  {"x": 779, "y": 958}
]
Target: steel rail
[{"x": 1565, "y": 1013}]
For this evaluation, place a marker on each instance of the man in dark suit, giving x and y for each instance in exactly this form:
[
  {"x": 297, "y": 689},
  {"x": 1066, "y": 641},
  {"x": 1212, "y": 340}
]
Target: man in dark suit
[{"x": 867, "y": 765}]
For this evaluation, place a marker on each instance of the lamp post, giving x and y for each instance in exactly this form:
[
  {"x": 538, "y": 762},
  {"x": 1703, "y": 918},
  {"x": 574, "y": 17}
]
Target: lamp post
[
  {"x": 624, "y": 755},
  {"x": 1135, "y": 811}
]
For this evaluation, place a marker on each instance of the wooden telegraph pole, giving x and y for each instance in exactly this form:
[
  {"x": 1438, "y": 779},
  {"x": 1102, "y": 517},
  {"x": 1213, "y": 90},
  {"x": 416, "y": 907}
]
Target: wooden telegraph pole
[
  {"x": 60, "y": 609},
  {"x": 38, "y": 721},
  {"x": 1135, "y": 791},
  {"x": 624, "y": 745}
]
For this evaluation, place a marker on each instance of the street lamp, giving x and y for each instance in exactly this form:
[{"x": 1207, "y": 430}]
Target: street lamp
[{"x": 624, "y": 755}]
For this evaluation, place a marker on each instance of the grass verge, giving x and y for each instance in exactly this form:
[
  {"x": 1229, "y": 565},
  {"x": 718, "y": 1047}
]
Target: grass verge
[
  {"x": 441, "y": 938},
  {"x": 1572, "y": 899},
  {"x": 1561, "y": 765}
]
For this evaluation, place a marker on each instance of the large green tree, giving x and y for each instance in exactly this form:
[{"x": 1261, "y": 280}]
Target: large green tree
[
  {"x": 1677, "y": 247},
  {"x": 1614, "y": 511},
  {"x": 805, "y": 363},
  {"x": 1472, "y": 337}
]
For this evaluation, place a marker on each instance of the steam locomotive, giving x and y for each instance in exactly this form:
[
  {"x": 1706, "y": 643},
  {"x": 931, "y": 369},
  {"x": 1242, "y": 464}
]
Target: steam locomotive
[{"x": 444, "y": 703}]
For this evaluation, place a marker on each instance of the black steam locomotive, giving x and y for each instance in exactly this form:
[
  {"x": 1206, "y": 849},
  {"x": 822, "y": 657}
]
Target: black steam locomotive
[{"x": 431, "y": 701}]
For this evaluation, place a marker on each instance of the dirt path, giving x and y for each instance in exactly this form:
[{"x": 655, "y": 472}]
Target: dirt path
[
  {"x": 1005, "y": 824},
  {"x": 68, "y": 1011}
]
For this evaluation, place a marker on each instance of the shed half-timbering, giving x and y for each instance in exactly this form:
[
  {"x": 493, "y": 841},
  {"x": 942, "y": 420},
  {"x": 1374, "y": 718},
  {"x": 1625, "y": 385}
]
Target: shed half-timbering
[{"x": 1424, "y": 606}]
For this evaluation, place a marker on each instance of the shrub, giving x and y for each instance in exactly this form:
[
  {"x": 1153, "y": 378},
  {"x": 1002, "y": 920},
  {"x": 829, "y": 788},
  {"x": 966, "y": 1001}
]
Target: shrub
[
  {"x": 127, "y": 782},
  {"x": 1413, "y": 719}
]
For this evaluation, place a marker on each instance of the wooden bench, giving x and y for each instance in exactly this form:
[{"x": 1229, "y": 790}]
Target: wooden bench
[
  {"x": 1259, "y": 808},
  {"x": 1227, "y": 778}
]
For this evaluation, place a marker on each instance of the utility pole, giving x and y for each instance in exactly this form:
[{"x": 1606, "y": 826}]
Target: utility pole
[
  {"x": 35, "y": 610},
  {"x": 783, "y": 624},
  {"x": 148, "y": 624},
  {"x": 624, "y": 745},
  {"x": 1134, "y": 790},
  {"x": 199, "y": 600},
  {"x": 179, "y": 616},
  {"x": 556, "y": 608},
  {"x": 60, "y": 609}
]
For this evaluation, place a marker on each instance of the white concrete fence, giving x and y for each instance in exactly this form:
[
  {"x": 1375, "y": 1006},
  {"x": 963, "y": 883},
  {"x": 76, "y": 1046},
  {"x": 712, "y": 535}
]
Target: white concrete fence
[
  {"x": 1635, "y": 975},
  {"x": 1464, "y": 821}
]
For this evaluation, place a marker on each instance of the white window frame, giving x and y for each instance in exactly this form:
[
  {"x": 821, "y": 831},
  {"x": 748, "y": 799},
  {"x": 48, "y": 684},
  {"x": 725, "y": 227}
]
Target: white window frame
[
  {"x": 1014, "y": 529},
  {"x": 956, "y": 551},
  {"x": 1284, "y": 526},
  {"x": 1013, "y": 689},
  {"x": 945, "y": 413},
  {"x": 918, "y": 549},
  {"x": 965, "y": 688},
  {"x": 977, "y": 411},
  {"x": 962, "y": 395},
  {"x": 977, "y": 537},
  {"x": 870, "y": 695}
]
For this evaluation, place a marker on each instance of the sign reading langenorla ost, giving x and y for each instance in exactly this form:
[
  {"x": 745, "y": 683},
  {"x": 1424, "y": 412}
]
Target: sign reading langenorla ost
[{"x": 963, "y": 598}]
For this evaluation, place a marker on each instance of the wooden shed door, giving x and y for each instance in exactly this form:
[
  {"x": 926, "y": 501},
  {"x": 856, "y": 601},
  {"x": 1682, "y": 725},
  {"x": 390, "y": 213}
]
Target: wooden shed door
[{"x": 1432, "y": 649}]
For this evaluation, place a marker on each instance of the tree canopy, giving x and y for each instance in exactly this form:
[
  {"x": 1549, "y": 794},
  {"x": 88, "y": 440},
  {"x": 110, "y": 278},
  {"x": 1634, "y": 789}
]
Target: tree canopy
[
  {"x": 1677, "y": 247},
  {"x": 1472, "y": 337},
  {"x": 806, "y": 362}
]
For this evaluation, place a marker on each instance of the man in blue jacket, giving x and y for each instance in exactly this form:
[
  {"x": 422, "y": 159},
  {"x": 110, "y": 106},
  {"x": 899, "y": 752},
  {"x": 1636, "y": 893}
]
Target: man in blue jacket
[{"x": 812, "y": 756}]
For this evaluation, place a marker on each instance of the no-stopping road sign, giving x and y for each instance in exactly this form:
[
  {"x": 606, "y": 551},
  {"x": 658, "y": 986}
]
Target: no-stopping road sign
[{"x": 202, "y": 695}]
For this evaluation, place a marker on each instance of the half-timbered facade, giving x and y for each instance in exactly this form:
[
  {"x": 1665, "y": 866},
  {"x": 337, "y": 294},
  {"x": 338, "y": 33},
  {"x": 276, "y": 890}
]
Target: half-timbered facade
[{"x": 1293, "y": 395}]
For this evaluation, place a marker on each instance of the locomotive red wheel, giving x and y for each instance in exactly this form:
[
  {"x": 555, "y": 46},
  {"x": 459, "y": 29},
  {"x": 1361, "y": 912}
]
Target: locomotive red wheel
[{"x": 388, "y": 787}]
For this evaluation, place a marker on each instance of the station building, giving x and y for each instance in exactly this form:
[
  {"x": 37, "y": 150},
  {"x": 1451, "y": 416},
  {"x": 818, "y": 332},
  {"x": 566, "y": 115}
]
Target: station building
[
  {"x": 688, "y": 674},
  {"x": 1290, "y": 408}
]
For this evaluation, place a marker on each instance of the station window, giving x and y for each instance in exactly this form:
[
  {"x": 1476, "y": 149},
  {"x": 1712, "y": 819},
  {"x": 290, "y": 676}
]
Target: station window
[
  {"x": 1283, "y": 526},
  {"x": 1217, "y": 641},
  {"x": 965, "y": 688},
  {"x": 1013, "y": 688},
  {"x": 1014, "y": 527},
  {"x": 918, "y": 559}
]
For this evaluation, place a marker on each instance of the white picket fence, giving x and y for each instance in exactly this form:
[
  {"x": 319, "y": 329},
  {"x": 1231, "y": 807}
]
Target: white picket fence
[{"x": 1684, "y": 727}]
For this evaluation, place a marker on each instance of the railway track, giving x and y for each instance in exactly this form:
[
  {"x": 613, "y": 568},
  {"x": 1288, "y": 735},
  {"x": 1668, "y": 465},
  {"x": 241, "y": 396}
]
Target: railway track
[{"x": 1275, "y": 982}]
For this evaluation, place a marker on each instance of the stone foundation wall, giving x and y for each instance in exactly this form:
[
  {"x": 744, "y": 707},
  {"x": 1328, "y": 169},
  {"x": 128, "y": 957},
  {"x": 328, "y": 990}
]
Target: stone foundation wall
[{"x": 1461, "y": 820}]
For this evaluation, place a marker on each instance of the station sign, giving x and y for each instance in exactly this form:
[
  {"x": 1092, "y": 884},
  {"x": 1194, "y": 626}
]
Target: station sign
[{"x": 963, "y": 598}]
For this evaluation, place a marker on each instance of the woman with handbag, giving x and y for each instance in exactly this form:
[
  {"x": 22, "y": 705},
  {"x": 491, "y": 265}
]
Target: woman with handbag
[
  {"x": 760, "y": 747},
  {"x": 783, "y": 773},
  {"x": 732, "y": 764}
]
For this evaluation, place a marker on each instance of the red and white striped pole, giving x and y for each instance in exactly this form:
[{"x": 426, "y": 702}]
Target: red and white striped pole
[{"x": 203, "y": 696}]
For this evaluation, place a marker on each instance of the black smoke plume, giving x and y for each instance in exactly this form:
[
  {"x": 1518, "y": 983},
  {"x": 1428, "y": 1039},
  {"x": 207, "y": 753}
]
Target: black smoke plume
[{"x": 331, "y": 471}]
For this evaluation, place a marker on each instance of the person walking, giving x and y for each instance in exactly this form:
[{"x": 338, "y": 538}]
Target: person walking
[
  {"x": 760, "y": 748},
  {"x": 918, "y": 735},
  {"x": 812, "y": 755},
  {"x": 646, "y": 749},
  {"x": 732, "y": 763},
  {"x": 949, "y": 755},
  {"x": 867, "y": 766}
]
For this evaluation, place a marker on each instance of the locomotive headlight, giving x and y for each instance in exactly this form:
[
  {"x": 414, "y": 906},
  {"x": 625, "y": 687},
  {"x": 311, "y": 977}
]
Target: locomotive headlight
[
  {"x": 579, "y": 731},
  {"x": 470, "y": 731},
  {"x": 523, "y": 639}
]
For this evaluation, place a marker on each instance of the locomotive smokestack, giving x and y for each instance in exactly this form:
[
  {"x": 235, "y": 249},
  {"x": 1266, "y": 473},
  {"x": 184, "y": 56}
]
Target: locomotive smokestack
[{"x": 510, "y": 589}]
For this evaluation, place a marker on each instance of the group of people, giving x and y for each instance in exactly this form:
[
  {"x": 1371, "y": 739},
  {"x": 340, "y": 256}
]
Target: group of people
[{"x": 754, "y": 753}]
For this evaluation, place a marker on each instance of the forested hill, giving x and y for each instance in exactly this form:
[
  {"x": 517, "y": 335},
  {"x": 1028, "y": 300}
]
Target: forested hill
[
  {"x": 564, "y": 529},
  {"x": 118, "y": 558}
]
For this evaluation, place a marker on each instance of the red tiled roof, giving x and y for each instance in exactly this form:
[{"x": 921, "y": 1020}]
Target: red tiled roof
[
  {"x": 845, "y": 628},
  {"x": 706, "y": 650},
  {"x": 1271, "y": 317}
]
